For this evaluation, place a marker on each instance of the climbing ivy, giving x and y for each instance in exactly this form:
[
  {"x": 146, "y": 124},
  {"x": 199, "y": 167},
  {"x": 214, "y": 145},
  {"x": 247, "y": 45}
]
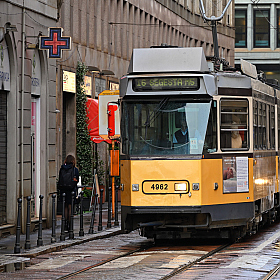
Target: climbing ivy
[{"x": 84, "y": 143}]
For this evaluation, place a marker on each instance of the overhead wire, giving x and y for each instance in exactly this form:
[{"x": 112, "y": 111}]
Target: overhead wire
[{"x": 256, "y": 3}]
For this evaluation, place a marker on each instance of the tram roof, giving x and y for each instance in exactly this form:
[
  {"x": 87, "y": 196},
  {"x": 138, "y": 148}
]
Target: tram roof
[
  {"x": 236, "y": 80},
  {"x": 166, "y": 60}
]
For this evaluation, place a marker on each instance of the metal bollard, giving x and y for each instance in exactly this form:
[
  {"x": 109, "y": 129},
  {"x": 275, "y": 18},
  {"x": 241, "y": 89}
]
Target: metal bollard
[
  {"x": 90, "y": 231},
  {"x": 100, "y": 210},
  {"x": 71, "y": 230},
  {"x": 40, "y": 239},
  {"x": 81, "y": 232},
  {"x": 17, "y": 245},
  {"x": 116, "y": 208},
  {"x": 109, "y": 224},
  {"x": 53, "y": 238},
  {"x": 28, "y": 222},
  {"x": 62, "y": 234}
]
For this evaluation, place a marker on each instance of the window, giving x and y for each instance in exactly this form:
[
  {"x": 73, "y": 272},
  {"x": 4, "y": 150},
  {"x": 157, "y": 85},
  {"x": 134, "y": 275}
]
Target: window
[
  {"x": 262, "y": 126},
  {"x": 166, "y": 127},
  {"x": 278, "y": 28},
  {"x": 255, "y": 132},
  {"x": 210, "y": 143},
  {"x": 240, "y": 28},
  {"x": 261, "y": 28},
  {"x": 272, "y": 127},
  {"x": 234, "y": 124}
]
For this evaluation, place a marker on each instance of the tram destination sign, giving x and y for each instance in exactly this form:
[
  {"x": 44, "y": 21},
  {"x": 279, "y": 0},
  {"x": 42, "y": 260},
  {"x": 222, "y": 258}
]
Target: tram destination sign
[{"x": 165, "y": 84}]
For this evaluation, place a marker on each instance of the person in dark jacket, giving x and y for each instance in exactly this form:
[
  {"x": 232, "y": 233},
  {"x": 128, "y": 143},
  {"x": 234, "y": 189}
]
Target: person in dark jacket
[
  {"x": 181, "y": 136},
  {"x": 68, "y": 164}
]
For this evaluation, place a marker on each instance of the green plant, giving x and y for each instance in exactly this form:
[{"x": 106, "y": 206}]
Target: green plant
[
  {"x": 87, "y": 192},
  {"x": 84, "y": 143}
]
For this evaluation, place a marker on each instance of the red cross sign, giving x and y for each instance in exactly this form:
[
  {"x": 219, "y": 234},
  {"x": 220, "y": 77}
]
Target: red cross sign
[{"x": 55, "y": 42}]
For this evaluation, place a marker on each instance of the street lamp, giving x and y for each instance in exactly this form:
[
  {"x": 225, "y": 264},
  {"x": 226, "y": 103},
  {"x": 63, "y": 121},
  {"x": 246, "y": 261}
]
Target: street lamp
[
  {"x": 102, "y": 72},
  {"x": 107, "y": 72},
  {"x": 93, "y": 69}
]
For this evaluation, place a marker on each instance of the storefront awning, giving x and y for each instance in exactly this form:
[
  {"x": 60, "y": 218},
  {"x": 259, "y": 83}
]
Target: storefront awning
[{"x": 92, "y": 114}]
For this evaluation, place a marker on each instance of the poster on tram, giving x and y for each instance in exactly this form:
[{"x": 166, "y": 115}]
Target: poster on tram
[{"x": 235, "y": 174}]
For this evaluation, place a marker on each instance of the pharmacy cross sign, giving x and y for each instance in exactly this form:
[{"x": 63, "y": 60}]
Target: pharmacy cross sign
[{"x": 55, "y": 42}]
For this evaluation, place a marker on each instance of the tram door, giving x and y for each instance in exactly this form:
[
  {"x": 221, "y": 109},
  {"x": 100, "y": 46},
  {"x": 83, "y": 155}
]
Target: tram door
[{"x": 35, "y": 156}]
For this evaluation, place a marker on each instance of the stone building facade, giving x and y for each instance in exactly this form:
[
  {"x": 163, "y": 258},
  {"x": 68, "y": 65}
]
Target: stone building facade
[
  {"x": 27, "y": 111},
  {"x": 258, "y": 35}
]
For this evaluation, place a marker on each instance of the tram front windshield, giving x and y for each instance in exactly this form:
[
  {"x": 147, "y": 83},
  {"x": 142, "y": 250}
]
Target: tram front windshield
[{"x": 164, "y": 127}]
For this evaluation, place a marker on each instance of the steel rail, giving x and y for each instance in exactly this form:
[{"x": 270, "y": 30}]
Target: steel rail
[
  {"x": 142, "y": 248},
  {"x": 187, "y": 266},
  {"x": 272, "y": 273}
]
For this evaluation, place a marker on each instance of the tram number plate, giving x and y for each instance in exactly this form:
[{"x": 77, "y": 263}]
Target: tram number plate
[
  {"x": 161, "y": 187},
  {"x": 157, "y": 187}
]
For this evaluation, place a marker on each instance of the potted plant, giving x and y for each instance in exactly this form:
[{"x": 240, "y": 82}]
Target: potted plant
[{"x": 86, "y": 198}]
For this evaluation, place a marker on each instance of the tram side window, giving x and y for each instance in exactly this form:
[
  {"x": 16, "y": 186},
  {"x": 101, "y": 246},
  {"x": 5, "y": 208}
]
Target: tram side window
[
  {"x": 262, "y": 126},
  {"x": 255, "y": 132},
  {"x": 272, "y": 127},
  {"x": 234, "y": 124}
]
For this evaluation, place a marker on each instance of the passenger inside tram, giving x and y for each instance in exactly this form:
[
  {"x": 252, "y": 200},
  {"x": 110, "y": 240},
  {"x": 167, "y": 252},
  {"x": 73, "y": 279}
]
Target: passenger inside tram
[
  {"x": 232, "y": 137},
  {"x": 236, "y": 139}
]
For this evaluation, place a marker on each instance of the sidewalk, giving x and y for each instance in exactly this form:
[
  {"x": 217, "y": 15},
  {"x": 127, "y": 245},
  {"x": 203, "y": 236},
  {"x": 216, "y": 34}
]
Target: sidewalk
[{"x": 11, "y": 262}]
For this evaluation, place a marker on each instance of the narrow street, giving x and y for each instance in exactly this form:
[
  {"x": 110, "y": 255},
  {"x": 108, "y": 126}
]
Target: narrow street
[{"x": 129, "y": 256}]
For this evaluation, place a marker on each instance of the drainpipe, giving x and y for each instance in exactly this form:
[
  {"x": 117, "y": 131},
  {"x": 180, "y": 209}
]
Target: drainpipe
[{"x": 22, "y": 104}]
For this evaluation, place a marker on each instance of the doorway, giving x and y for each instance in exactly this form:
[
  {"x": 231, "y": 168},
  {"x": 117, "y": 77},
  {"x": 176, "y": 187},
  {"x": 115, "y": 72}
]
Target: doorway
[{"x": 35, "y": 156}]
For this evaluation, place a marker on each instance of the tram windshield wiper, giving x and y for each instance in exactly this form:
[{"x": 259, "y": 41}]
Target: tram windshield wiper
[{"x": 152, "y": 116}]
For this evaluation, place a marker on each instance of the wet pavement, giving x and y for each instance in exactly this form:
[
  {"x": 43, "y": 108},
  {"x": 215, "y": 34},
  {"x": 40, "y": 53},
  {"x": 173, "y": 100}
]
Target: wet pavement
[
  {"x": 10, "y": 261},
  {"x": 252, "y": 258},
  {"x": 104, "y": 258}
]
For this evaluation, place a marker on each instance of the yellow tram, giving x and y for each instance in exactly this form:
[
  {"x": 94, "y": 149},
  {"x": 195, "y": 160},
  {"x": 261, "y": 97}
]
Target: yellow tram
[{"x": 199, "y": 147}]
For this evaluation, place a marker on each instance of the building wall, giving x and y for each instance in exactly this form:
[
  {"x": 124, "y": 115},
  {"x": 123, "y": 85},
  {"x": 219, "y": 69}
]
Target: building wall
[
  {"x": 266, "y": 58},
  {"x": 39, "y": 15},
  {"x": 104, "y": 33}
]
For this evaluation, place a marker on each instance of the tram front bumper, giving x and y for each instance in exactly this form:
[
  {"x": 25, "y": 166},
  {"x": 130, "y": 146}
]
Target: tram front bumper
[{"x": 208, "y": 216}]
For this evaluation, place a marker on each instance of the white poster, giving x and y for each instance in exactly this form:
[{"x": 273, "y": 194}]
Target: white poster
[
  {"x": 242, "y": 174},
  {"x": 235, "y": 174},
  {"x": 69, "y": 81}
]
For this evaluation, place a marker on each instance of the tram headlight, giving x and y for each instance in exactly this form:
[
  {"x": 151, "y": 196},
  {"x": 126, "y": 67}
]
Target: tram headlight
[
  {"x": 180, "y": 186},
  {"x": 135, "y": 187},
  {"x": 261, "y": 181}
]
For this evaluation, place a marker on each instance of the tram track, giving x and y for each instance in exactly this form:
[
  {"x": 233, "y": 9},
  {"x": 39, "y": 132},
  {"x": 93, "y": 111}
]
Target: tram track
[
  {"x": 272, "y": 273},
  {"x": 189, "y": 265},
  {"x": 142, "y": 248}
]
